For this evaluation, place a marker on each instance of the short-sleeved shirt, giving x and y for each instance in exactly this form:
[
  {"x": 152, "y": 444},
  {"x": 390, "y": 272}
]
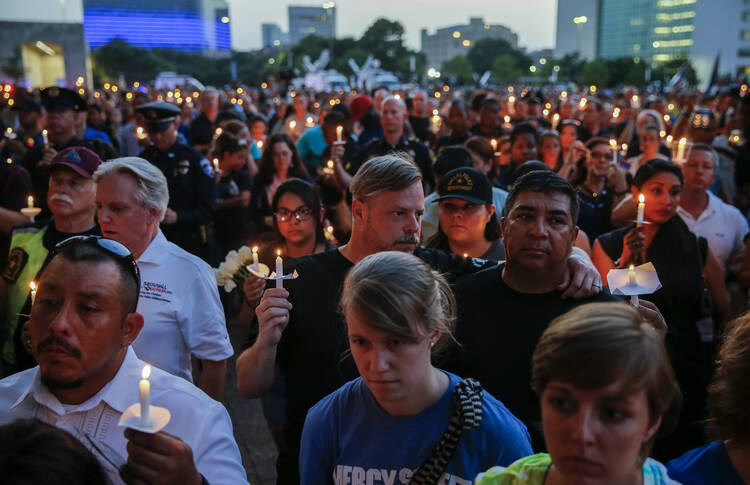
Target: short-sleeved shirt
[
  {"x": 724, "y": 227},
  {"x": 232, "y": 223},
  {"x": 311, "y": 146},
  {"x": 199, "y": 421},
  {"x": 707, "y": 464},
  {"x": 348, "y": 435},
  {"x": 181, "y": 309},
  {"x": 498, "y": 329},
  {"x": 201, "y": 130}
]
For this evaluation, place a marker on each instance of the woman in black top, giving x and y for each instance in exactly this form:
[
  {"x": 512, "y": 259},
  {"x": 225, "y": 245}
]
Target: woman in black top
[
  {"x": 682, "y": 261},
  {"x": 233, "y": 185},
  {"x": 603, "y": 187}
]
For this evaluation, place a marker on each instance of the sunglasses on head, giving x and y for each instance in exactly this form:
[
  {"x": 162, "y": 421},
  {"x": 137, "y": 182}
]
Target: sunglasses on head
[{"x": 120, "y": 251}]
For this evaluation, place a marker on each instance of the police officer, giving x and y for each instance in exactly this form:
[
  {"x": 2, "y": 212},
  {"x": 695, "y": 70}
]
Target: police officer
[
  {"x": 393, "y": 115},
  {"x": 66, "y": 113},
  {"x": 188, "y": 221}
]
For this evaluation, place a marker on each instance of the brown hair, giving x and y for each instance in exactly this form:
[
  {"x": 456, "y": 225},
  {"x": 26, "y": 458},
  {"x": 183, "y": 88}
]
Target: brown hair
[
  {"x": 593, "y": 345},
  {"x": 728, "y": 393},
  {"x": 398, "y": 294}
]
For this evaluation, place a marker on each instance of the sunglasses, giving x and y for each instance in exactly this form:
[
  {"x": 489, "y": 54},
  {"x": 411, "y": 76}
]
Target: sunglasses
[{"x": 120, "y": 251}]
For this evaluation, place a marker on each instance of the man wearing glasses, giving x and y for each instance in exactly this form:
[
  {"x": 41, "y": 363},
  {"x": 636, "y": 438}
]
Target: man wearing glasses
[
  {"x": 71, "y": 199},
  {"x": 188, "y": 221},
  {"x": 82, "y": 325},
  {"x": 179, "y": 297}
]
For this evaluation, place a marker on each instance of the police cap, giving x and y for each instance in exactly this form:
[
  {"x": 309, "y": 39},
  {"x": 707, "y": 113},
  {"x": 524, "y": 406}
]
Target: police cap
[
  {"x": 56, "y": 98},
  {"x": 159, "y": 115}
]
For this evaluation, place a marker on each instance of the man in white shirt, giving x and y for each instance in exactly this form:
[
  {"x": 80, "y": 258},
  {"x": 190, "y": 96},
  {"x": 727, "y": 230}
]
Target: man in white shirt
[
  {"x": 708, "y": 216},
  {"x": 82, "y": 324},
  {"x": 179, "y": 299}
]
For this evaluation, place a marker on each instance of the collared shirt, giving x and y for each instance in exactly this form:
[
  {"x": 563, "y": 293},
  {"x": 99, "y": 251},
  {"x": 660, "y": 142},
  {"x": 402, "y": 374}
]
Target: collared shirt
[
  {"x": 199, "y": 421},
  {"x": 181, "y": 309},
  {"x": 723, "y": 226}
]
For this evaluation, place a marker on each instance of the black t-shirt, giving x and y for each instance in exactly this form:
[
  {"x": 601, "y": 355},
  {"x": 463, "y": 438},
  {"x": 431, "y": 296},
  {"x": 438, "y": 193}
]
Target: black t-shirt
[
  {"x": 420, "y": 125},
  {"x": 232, "y": 223},
  {"x": 201, "y": 130},
  {"x": 313, "y": 351},
  {"x": 497, "y": 331},
  {"x": 595, "y": 216}
]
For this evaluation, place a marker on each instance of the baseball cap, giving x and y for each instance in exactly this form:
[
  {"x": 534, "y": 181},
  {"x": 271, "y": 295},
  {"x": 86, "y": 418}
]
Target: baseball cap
[
  {"x": 466, "y": 183},
  {"x": 78, "y": 159},
  {"x": 359, "y": 106}
]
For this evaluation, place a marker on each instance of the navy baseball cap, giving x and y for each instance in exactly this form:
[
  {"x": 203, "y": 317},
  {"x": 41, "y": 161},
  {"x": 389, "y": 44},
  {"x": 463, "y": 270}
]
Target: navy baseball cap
[
  {"x": 159, "y": 115},
  {"x": 466, "y": 183},
  {"x": 62, "y": 98}
]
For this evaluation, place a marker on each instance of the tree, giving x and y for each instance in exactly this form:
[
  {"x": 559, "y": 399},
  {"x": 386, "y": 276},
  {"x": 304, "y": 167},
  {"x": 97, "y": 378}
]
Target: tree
[
  {"x": 666, "y": 70},
  {"x": 484, "y": 51},
  {"x": 595, "y": 72},
  {"x": 505, "y": 68},
  {"x": 385, "y": 41},
  {"x": 458, "y": 67},
  {"x": 625, "y": 70}
]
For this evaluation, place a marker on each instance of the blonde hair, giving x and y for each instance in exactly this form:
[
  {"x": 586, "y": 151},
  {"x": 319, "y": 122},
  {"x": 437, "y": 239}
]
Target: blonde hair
[
  {"x": 596, "y": 344},
  {"x": 398, "y": 294},
  {"x": 388, "y": 172}
]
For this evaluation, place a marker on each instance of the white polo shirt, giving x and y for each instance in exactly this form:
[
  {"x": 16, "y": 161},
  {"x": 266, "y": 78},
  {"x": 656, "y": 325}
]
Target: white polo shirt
[
  {"x": 196, "y": 419},
  {"x": 724, "y": 227},
  {"x": 181, "y": 310}
]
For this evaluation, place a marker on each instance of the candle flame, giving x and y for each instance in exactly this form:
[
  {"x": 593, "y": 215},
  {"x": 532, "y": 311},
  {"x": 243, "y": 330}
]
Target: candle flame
[
  {"x": 641, "y": 199},
  {"x": 32, "y": 287},
  {"x": 44, "y": 132},
  {"x": 292, "y": 124},
  {"x": 493, "y": 142},
  {"x": 506, "y": 119},
  {"x": 146, "y": 372},
  {"x": 219, "y": 131},
  {"x": 625, "y": 146},
  {"x": 466, "y": 255},
  {"x": 612, "y": 142},
  {"x": 329, "y": 229},
  {"x": 556, "y": 116},
  {"x": 260, "y": 145},
  {"x": 683, "y": 141},
  {"x": 255, "y": 249},
  {"x": 30, "y": 201},
  {"x": 216, "y": 162},
  {"x": 339, "y": 130},
  {"x": 631, "y": 268},
  {"x": 278, "y": 253}
]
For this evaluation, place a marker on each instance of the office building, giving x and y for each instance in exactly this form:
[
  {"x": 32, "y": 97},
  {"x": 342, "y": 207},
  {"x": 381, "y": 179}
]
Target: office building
[
  {"x": 659, "y": 31},
  {"x": 184, "y": 25},
  {"x": 304, "y": 21},
  {"x": 42, "y": 43},
  {"x": 448, "y": 42},
  {"x": 272, "y": 36}
]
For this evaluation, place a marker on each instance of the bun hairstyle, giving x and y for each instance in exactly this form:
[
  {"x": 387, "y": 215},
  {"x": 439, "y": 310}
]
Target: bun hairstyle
[{"x": 398, "y": 294}]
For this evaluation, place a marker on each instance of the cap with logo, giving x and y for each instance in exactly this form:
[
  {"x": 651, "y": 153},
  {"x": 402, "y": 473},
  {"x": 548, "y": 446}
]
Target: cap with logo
[
  {"x": 78, "y": 159},
  {"x": 466, "y": 183},
  {"x": 159, "y": 115},
  {"x": 56, "y": 98}
]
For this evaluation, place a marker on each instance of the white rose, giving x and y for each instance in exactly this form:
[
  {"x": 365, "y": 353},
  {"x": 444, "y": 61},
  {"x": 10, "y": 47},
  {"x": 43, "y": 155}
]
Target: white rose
[
  {"x": 229, "y": 285},
  {"x": 245, "y": 253}
]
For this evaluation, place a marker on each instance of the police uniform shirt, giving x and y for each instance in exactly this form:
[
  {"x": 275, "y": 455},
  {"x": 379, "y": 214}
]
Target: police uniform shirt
[
  {"x": 418, "y": 152},
  {"x": 196, "y": 419},
  {"x": 192, "y": 190},
  {"x": 181, "y": 309}
]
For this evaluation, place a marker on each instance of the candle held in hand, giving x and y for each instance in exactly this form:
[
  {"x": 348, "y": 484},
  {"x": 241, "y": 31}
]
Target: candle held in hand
[
  {"x": 144, "y": 389},
  {"x": 279, "y": 269},
  {"x": 555, "y": 120},
  {"x": 339, "y": 133},
  {"x": 30, "y": 201},
  {"x": 32, "y": 290},
  {"x": 255, "y": 258},
  {"x": 641, "y": 209},
  {"x": 45, "y": 140}
]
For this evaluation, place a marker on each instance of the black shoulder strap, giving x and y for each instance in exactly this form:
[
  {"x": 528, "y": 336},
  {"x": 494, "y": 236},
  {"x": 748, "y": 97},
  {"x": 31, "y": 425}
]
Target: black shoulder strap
[{"x": 467, "y": 414}]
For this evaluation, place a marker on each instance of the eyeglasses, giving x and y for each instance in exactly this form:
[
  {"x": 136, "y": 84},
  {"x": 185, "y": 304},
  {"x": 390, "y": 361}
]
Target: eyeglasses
[
  {"x": 115, "y": 248},
  {"x": 301, "y": 214}
]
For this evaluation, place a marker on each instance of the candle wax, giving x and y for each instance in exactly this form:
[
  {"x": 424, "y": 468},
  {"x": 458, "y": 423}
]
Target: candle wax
[{"x": 279, "y": 270}]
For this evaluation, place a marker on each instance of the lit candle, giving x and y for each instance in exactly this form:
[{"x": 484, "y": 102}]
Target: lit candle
[
  {"x": 632, "y": 282},
  {"x": 623, "y": 150},
  {"x": 466, "y": 255},
  {"x": 216, "y": 164},
  {"x": 260, "y": 144},
  {"x": 506, "y": 122},
  {"x": 555, "y": 120},
  {"x": 613, "y": 144},
  {"x": 255, "y": 258},
  {"x": 140, "y": 133},
  {"x": 339, "y": 133},
  {"x": 309, "y": 121},
  {"x": 30, "y": 202},
  {"x": 292, "y": 124},
  {"x": 219, "y": 131},
  {"x": 616, "y": 113},
  {"x": 328, "y": 170},
  {"x": 641, "y": 209},
  {"x": 32, "y": 288},
  {"x": 144, "y": 388},
  {"x": 681, "y": 149},
  {"x": 45, "y": 140},
  {"x": 279, "y": 269}
]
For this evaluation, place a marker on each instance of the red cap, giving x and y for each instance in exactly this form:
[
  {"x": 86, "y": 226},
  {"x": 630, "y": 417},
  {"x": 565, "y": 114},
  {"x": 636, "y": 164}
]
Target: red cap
[
  {"x": 359, "y": 106},
  {"x": 81, "y": 160}
]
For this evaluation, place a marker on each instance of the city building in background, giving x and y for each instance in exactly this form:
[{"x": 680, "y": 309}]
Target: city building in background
[
  {"x": 658, "y": 31},
  {"x": 42, "y": 42},
  {"x": 185, "y": 25},
  {"x": 272, "y": 36},
  {"x": 312, "y": 20},
  {"x": 577, "y": 28},
  {"x": 448, "y": 42}
]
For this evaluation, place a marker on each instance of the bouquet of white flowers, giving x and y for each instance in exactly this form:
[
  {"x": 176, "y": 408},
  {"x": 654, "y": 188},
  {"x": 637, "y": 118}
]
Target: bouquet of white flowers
[{"x": 237, "y": 266}]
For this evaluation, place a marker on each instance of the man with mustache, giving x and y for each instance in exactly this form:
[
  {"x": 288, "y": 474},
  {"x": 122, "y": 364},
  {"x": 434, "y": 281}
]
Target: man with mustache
[
  {"x": 71, "y": 198},
  {"x": 82, "y": 325},
  {"x": 309, "y": 343}
]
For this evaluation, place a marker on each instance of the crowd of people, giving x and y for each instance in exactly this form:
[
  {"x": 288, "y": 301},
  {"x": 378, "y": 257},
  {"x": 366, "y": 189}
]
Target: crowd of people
[{"x": 453, "y": 317}]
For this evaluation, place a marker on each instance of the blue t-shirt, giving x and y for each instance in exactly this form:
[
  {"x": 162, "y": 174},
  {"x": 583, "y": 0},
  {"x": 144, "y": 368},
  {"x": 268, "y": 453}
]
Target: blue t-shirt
[
  {"x": 708, "y": 464},
  {"x": 348, "y": 439},
  {"x": 311, "y": 146}
]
